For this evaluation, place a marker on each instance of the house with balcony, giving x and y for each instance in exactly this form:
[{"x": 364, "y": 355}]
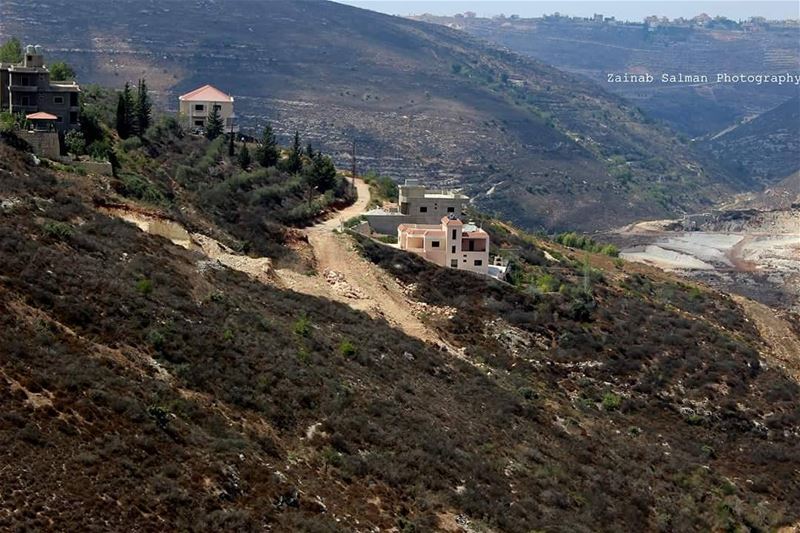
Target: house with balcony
[
  {"x": 196, "y": 106},
  {"x": 451, "y": 243},
  {"x": 26, "y": 89}
]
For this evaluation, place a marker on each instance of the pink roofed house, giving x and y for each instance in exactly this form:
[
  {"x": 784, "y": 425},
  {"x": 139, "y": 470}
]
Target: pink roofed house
[{"x": 196, "y": 106}]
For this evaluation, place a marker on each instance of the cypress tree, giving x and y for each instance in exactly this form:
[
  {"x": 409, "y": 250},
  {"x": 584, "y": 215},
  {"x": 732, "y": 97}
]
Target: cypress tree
[
  {"x": 214, "y": 125},
  {"x": 125, "y": 112},
  {"x": 144, "y": 108},
  {"x": 267, "y": 154},
  {"x": 244, "y": 157},
  {"x": 295, "y": 162}
]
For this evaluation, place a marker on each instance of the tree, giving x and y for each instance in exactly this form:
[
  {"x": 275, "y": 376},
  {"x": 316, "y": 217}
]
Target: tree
[
  {"x": 60, "y": 71},
  {"x": 267, "y": 153},
  {"x": 125, "y": 111},
  {"x": 310, "y": 151},
  {"x": 11, "y": 51},
  {"x": 295, "y": 162},
  {"x": 75, "y": 143},
  {"x": 319, "y": 175},
  {"x": 214, "y": 124},
  {"x": 143, "y": 109},
  {"x": 244, "y": 157}
]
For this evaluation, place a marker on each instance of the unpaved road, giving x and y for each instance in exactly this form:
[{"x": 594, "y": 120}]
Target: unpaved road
[
  {"x": 777, "y": 333},
  {"x": 343, "y": 275}
]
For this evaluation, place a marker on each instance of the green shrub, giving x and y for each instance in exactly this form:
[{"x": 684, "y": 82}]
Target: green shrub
[
  {"x": 302, "y": 326},
  {"x": 135, "y": 186},
  {"x": 347, "y": 349},
  {"x": 144, "y": 286},
  {"x": 58, "y": 230},
  {"x": 611, "y": 401}
]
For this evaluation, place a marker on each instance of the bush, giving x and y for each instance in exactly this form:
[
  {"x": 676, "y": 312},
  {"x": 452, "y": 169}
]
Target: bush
[
  {"x": 302, "y": 326},
  {"x": 75, "y": 142},
  {"x": 347, "y": 349},
  {"x": 144, "y": 286},
  {"x": 135, "y": 186},
  {"x": 58, "y": 230},
  {"x": 611, "y": 401}
]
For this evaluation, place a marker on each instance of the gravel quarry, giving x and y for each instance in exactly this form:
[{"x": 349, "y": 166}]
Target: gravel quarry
[{"x": 752, "y": 253}]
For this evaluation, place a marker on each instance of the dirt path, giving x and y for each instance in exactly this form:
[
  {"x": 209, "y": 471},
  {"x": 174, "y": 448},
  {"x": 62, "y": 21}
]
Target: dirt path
[
  {"x": 343, "y": 275},
  {"x": 776, "y": 332}
]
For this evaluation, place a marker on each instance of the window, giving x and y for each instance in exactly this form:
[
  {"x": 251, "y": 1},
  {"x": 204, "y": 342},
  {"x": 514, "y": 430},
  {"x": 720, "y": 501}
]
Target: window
[
  {"x": 453, "y": 249},
  {"x": 217, "y": 107},
  {"x": 451, "y": 209},
  {"x": 478, "y": 262},
  {"x": 24, "y": 101},
  {"x": 199, "y": 107},
  {"x": 434, "y": 244},
  {"x": 423, "y": 209},
  {"x": 73, "y": 117},
  {"x": 454, "y": 263},
  {"x": 199, "y": 123},
  {"x": 58, "y": 100},
  {"x": 73, "y": 99},
  {"x": 454, "y": 234}
]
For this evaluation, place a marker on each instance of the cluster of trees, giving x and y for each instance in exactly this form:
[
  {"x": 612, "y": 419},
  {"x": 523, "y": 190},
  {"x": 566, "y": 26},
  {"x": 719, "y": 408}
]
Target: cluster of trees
[
  {"x": 134, "y": 112},
  {"x": 573, "y": 240}
]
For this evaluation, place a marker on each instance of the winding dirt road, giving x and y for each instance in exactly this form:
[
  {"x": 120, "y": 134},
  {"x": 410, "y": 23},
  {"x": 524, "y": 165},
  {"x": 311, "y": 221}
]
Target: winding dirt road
[{"x": 343, "y": 275}]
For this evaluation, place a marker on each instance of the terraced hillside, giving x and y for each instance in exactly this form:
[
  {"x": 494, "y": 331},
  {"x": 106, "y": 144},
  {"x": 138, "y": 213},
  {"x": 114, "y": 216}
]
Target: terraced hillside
[
  {"x": 538, "y": 146},
  {"x": 596, "y": 49},
  {"x": 148, "y": 387}
]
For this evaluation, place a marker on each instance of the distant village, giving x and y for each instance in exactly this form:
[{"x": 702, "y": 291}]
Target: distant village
[{"x": 650, "y": 23}]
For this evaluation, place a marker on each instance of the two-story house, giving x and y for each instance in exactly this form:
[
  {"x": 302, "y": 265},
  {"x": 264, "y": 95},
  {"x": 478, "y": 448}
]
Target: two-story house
[
  {"x": 449, "y": 244},
  {"x": 26, "y": 89},
  {"x": 196, "y": 106}
]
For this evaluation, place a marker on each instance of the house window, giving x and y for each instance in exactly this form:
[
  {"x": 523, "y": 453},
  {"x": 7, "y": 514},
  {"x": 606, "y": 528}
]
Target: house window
[
  {"x": 58, "y": 100},
  {"x": 199, "y": 107},
  {"x": 423, "y": 209},
  {"x": 454, "y": 263},
  {"x": 478, "y": 262},
  {"x": 451, "y": 209},
  {"x": 198, "y": 123},
  {"x": 73, "y": 117},
  {"x": 454, "y": 234},
  {"x": 24, "y": 101},
  {"x": 434, "y": 244},
  {"x": 73, "y": 99},
  {"x": 217, "y": 107},
  {"x": 453, "y": 249}
]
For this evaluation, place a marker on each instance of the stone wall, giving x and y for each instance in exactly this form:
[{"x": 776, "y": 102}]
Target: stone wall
[{"x": 44, "y": 143}]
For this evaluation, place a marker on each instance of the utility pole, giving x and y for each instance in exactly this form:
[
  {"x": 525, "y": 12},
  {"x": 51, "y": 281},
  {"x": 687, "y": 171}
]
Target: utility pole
[{"x": 353, "y": 171}]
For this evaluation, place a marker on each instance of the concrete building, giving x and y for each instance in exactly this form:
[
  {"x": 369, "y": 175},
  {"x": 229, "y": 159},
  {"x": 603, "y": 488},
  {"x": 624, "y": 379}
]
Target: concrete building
[
  {"x": 196, "y": 106},
  {"x": 451, "y": 243},
  {"x": 25, "y": 88},
  {"x": 416, "y": 205}
]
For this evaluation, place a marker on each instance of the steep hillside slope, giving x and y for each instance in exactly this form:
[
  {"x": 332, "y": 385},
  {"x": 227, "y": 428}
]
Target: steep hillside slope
[
  {"x": 766, "y": 147},
  {"x": 145, "y": 387},
  {"x": 543, "y": 148}
]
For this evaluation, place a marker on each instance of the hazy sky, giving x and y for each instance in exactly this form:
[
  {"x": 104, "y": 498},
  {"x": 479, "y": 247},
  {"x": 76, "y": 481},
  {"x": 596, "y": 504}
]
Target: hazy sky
[{"x": 624, "y": 10}]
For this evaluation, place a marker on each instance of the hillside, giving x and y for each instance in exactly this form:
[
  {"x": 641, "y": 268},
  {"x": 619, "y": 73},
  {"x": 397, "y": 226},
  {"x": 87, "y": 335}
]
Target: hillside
[
  {"x": 147, "y": 386},
  {"x": 693, "y": 109},
  {"x": 766, "y": 147},
  {"x": 540, "y": 147}
]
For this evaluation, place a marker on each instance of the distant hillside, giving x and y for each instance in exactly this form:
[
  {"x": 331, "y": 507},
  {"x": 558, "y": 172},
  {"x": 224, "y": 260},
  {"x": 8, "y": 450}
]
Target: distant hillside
[
  {"x": 538, "y": 146},
  {"x": 148, "y": 387},
  {"x": 766, "y": 148},
  {"x": 597, "y": 49}
]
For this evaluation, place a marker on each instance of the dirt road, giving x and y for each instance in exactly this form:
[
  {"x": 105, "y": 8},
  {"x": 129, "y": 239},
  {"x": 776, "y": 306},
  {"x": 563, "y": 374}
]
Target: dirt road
[
  {"x": 777, "y": 333},
  {"x": 343, "y": 275}
]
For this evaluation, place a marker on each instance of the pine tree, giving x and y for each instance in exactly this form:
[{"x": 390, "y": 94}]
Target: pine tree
[
  {"x": 214, "y": 124},
  {"x": 295, "y": 162},
  {"x": 267, "y": 154},
  {"x": 310, "y": 151},
  {"x": 143, "y": 108},
  {"x": 231, "y": 145},
  {"x": 319, "y": 175},
  {"x": 244, "y": 157},
  {"x": 11, "y": 51}
]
